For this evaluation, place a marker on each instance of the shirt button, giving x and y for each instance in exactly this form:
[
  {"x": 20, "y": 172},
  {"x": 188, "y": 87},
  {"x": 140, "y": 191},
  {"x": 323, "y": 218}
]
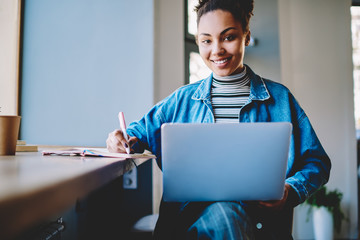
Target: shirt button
[{"x": 259, "y": 226}]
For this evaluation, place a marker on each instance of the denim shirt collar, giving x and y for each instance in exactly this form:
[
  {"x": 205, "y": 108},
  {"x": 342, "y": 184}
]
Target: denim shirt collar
[
  {"x": 203, "y": 92},
  {"x": 258, "y": 89}
]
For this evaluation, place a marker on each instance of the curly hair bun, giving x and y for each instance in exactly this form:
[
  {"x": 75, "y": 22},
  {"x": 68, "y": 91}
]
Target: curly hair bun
[
  {"x": 242, "y": 10},
  {"x": 246, "y": 5}
]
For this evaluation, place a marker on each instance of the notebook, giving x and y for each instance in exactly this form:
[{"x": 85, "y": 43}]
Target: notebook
[{"x": 224, "y": 162}]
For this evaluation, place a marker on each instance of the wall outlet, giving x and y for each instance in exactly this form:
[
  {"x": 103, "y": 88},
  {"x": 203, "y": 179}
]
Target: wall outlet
[{"x": 130, "y": 179}]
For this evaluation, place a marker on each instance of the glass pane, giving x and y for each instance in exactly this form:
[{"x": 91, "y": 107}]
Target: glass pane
[
  {"x": 355, "y": 27},
  {"x": 198, "y": 69},
  {"x": 192, "y": 17}
]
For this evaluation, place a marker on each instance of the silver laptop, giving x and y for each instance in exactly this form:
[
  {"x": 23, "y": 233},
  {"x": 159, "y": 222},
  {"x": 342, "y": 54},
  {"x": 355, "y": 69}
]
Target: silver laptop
[{"x": 224, "y": 162}]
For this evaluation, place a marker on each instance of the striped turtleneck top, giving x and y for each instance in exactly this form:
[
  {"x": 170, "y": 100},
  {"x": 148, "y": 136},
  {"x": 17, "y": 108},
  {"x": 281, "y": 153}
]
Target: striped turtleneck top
[{"x": 228, "y": 95}]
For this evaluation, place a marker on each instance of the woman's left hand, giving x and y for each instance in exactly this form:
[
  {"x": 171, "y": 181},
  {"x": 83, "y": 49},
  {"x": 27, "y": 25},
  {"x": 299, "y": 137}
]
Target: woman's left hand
[{"x": 276, "y": 205}]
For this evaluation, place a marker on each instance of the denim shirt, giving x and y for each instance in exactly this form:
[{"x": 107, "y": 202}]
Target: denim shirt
[{"x": 308, "y": 164}]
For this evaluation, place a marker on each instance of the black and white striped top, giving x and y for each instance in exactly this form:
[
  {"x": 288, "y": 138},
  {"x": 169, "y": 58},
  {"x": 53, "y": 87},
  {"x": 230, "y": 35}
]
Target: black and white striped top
[{"x": 228, "y": 95}]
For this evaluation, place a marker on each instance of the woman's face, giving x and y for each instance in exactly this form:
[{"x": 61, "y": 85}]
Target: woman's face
[{"x": 222, "y": 42}]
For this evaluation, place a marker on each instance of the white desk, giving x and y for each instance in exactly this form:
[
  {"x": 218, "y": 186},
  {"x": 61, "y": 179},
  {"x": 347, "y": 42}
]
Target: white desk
[{"x": 35, "y": 187}]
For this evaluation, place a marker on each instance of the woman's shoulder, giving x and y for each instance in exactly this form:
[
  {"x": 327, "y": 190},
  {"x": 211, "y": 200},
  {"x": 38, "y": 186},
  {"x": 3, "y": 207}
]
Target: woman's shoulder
[
  {"x": 190, "y": 86},
  {"x": 275, "y": 85},
  {"x": 182, "y": 92},
  {"x": 276, "y": 88},
  {"x": 188, "y": 90},
  {"x": 270, "y": 85}
]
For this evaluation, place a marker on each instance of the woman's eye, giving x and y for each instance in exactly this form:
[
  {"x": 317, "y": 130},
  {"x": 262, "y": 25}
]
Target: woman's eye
[
  {"x": 206, "y": 41},
  {"x": 229, "y": 38}
]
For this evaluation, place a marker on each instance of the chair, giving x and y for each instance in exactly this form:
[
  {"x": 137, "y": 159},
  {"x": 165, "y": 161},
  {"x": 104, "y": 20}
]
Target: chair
[{"x": 143, "y": 229}]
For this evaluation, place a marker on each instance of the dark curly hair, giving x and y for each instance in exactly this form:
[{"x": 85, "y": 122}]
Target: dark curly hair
[{"x": 242, "y": 10}]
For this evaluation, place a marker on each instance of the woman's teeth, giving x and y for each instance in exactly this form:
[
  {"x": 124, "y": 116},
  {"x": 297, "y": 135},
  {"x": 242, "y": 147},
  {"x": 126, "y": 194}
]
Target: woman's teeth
[{"x": 221, "y": 61}]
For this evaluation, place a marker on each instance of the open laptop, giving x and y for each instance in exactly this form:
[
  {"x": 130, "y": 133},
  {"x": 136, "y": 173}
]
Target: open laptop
[{"x": 224, "y": 162}]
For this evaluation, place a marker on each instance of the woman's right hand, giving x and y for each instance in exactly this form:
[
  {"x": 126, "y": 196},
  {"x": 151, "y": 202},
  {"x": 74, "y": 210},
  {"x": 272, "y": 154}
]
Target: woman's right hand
[{"x": 117, "y": 143}]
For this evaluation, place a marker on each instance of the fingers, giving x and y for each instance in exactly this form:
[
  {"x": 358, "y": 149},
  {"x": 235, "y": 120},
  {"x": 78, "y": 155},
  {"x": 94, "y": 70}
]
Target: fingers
[
  {"x": 277, "y": 204},
  {"x": 112, "y": 143},
  {"x": 132, "y": 141},
  {"x": 116, "y": 142},
  {"x": 270, "y": 204}
]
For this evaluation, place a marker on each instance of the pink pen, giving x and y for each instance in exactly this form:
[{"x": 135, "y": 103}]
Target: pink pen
[{"x": 123, "y": 129}]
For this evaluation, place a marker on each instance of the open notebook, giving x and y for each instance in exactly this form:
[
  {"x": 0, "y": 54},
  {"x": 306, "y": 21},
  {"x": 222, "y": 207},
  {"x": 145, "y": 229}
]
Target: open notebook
[{"x": 95, "y": 152}]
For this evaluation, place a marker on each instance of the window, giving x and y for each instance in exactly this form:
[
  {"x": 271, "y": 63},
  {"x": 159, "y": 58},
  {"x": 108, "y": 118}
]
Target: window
[
  {"x": 195, "y": 68},
  {"x": 355, "y": 28}
]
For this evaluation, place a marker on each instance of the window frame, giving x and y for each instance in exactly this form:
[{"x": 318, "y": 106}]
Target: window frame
[{"x": 190, "y": 43}]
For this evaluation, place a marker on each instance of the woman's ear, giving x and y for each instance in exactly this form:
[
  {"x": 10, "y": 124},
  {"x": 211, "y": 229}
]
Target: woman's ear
[
  {"x": 196, "y": 39},
  {"x": 247, "y": 39}
]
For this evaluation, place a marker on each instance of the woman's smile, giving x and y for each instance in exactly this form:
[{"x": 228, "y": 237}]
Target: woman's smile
[{"x": 221, "y": 61}]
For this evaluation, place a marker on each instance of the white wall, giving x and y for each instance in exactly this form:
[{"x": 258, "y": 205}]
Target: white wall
[
  {"x": 169, "y": 69},
  {"x": 9, "y": 42},
  {"x": 264, "y": 58},
  {"x": 83, "y": 62},
  {"x": 169, "y": 47},
  {"x": 316, "y": 64}
]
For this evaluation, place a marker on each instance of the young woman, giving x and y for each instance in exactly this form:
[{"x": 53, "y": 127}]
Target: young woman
[{"x": 232, "y": 93}]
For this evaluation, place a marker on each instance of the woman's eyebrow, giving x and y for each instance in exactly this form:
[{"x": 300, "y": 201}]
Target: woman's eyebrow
[
  {"x": 205, "y": 34},
  {"x": 227, "y": 29},
  {"x": 222, "y": 33}
]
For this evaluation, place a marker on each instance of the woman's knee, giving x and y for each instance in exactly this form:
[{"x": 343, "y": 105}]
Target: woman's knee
[
  {"x": 223, "y": 220},
  {"x": 228, "y": 210}
]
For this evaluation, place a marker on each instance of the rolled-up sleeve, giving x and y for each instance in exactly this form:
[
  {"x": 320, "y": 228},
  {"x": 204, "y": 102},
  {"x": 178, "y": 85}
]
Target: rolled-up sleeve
[{"x": 311, "y": 163}]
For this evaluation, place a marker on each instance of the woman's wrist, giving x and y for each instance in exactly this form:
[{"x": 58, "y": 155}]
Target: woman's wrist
[{"x": 293, "y": 198}]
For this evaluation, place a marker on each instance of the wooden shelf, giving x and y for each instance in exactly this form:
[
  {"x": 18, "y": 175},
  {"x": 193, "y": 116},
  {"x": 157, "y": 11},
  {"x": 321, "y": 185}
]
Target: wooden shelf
[{"x": 35, "y": 187}]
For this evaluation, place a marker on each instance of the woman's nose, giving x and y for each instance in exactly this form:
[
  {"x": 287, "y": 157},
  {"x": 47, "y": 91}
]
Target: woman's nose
[{"x": 217, "y": 49}]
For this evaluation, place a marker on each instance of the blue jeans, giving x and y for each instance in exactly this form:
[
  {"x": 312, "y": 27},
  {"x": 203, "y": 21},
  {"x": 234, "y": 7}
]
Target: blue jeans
[{"x": 222, "y": 220}]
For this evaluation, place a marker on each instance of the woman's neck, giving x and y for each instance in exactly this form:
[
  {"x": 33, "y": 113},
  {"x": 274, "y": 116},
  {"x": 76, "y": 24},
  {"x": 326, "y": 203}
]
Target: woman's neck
[{"x": 231, "y": 77}]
